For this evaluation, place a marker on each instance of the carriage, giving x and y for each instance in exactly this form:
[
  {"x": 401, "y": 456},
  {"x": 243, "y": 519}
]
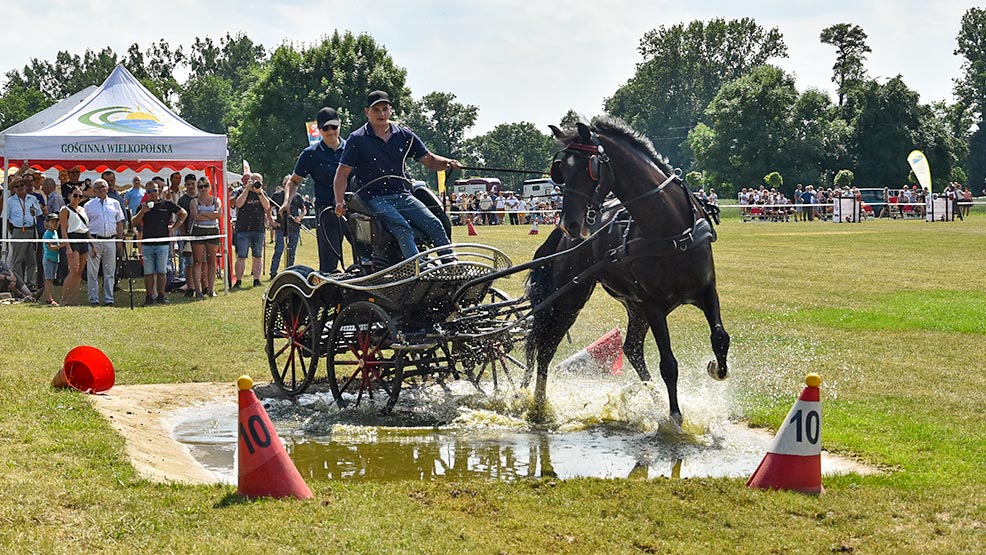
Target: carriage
[
  {"x": 628, "y": 222},
  {"x": 387, "y": 323}
]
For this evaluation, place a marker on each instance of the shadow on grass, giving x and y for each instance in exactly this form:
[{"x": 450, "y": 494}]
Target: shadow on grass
[{"x": 232, "y": 500}]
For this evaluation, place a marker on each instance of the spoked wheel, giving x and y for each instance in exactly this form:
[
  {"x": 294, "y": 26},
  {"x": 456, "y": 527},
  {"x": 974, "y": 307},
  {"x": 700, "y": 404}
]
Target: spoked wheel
[
  {"x": 292, "y": 339},
  {"x": 491, "y": 358},
  {"x": 423, "y": 367},
  {"x": 362, "y": 365}
]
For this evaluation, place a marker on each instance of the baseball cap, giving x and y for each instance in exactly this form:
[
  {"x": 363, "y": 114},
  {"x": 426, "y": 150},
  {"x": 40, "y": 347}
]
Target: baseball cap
[
  {"x": 50, "y": 217},
  {"x": 376, "y": 97},
  {"x": 327, "y": 116}
]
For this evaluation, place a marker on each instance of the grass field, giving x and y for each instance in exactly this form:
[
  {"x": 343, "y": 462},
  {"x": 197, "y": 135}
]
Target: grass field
[{"x": 892, "y": 315}]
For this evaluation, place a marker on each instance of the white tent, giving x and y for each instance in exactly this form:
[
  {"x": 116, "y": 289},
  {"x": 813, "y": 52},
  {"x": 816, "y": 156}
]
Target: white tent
[
  {"x": 120, "y": 126},
  {"x": 45, "y": 117}
]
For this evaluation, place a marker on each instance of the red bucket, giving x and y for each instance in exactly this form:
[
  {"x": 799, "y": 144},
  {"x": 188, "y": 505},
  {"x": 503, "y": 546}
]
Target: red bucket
[{"x": 86, "y": 369}]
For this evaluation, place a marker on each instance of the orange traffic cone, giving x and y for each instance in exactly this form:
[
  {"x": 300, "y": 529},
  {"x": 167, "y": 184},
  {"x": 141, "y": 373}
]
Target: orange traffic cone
[
  {"x": 87, "y": 369},
  {"x": 603, "y": 355},
  {"x": 534, "y": 228},
  {"x": 470, "y": 228},
  {"x": 265, "y": 470},
  {"x": 794, "y": 461}
]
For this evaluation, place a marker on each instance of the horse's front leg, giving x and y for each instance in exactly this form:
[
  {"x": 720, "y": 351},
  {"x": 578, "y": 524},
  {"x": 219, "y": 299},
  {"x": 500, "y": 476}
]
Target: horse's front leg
[
  {"x": 658, "y": 320},
  {"x": 720, "y": 339}
]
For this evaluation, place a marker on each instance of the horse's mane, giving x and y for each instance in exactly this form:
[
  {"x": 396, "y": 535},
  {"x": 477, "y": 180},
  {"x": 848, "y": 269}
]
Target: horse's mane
[{"x": 616, "y": 128}]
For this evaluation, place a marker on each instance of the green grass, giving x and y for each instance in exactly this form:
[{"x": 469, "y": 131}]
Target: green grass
[{"x": 890, "y": 313}]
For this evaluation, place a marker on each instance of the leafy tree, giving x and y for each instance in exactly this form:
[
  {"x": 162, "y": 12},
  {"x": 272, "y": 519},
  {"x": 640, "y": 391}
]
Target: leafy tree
[
  {"x": 682, "y": 70},
  {"x": 155, "y": 68},
  {"x": 773, "y": 180},
  {"x": 695, "y": 180},
  {"x": 569, "y": 120},
  {"x": 339, "y": 71},
  {"x": 850, "y": 44},
  {"x": 441, "y": 122},
  {"x": 511, "y": 146},
  {"x": 884, "y": 131},
  {"x": 945, "y": 151},
  {"x": 216, "y": 83},
  {"x": 749, "y": 128},
  {"x": 843, "y": 179},
  {"x": 819, "y": 139},
  {"x": 970, "y": 89}
]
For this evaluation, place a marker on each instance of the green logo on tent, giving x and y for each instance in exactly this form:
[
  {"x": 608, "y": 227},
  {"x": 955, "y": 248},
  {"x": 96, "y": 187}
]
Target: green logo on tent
[{"x": 122, "y": 118}]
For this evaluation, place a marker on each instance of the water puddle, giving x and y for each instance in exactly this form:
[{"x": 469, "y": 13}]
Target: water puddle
[{"x": 605, "y": 429}]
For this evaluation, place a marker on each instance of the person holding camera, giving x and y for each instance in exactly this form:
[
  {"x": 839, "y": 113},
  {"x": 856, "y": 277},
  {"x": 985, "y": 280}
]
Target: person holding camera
[{"x": 252, "y": 211}]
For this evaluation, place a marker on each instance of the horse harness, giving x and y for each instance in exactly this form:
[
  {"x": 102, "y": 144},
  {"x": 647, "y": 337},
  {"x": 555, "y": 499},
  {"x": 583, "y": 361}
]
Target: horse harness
[{"x": 637, "y": 247}]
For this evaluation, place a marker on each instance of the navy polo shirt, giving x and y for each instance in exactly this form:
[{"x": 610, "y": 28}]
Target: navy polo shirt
[
  {"x": 320, "y": 162},
  {"x": 372, "y": 159}
]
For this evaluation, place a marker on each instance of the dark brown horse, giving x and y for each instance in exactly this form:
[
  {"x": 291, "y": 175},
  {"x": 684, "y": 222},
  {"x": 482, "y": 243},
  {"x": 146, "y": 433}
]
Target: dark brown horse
[{"x": 651, "y": 251}]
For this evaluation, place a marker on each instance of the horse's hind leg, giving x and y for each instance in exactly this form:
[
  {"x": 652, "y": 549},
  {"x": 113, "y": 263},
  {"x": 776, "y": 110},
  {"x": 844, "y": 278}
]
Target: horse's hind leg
[
  {"x": 720, "y": 339},
  {"x": 633, "y": 345},
  {"x": 669, "y": 365}
]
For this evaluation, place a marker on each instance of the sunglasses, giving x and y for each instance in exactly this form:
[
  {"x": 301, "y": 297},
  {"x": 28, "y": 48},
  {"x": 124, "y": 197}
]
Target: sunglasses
[
  {"x": 75, "y": 195},
  {"x": 151, "y": 191},
  {"x": 327, "y": 127},
  {"x": 19, "y": 186},
  {"x": 204, "y": 185}
]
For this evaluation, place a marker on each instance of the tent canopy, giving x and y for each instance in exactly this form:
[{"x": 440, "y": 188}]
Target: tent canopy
[
  {"x": 47, "y": 116},
  {"x": 120, "y": 125}
]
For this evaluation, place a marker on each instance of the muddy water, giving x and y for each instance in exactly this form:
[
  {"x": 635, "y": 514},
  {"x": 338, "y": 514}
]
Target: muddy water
[{"x": 608, "y": 428}]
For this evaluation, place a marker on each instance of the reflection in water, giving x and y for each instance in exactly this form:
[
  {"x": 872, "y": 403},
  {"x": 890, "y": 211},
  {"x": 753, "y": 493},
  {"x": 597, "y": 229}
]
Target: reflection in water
[{"x": 419, "y": 454}]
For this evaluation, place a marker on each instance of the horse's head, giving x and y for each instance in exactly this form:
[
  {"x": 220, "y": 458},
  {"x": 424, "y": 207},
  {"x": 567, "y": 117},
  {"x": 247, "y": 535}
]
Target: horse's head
[{"x": 578, "y": 167}]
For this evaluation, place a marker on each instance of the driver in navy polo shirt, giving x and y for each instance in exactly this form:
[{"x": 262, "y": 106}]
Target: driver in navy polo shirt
[
  {"x": 320, "y": 162},
  {"x": 376, "y": 153}
]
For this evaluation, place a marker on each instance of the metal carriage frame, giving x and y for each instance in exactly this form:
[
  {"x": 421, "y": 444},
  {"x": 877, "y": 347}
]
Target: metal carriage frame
[{"x": 427, "y": 319}]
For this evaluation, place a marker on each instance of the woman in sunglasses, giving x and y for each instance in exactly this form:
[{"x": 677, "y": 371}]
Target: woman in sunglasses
[
  {"x": 204, "y": 213},
  {"x": 74, "y": 224}
]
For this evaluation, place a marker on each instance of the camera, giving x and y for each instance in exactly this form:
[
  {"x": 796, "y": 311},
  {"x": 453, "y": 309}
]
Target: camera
[{"x": 258, "y": 185}]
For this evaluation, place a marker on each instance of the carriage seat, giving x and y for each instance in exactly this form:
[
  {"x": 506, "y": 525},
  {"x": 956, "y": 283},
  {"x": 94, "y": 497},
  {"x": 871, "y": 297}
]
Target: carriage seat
[{"x": 377, "y": 240}]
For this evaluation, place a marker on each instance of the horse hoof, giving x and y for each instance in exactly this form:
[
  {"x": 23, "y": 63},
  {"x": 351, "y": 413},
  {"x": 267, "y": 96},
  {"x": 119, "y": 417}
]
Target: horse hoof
[
  {"x": 676, "y": 418},
  {"x": 714, "y": 373}
]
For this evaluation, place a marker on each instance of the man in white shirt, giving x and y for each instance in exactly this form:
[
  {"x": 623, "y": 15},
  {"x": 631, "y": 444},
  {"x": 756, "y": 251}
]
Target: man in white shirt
[
  {"x": 22, "y": 211},
  {"x": 106, "y": 226}
]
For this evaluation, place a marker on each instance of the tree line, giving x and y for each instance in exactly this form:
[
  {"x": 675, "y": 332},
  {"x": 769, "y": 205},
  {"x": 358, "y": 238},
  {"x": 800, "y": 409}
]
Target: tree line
[{"x": 705, "y": 93}]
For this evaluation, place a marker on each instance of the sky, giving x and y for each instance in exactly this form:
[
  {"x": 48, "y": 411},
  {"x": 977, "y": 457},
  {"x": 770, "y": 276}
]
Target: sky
[{"x": 517, "y": 60}]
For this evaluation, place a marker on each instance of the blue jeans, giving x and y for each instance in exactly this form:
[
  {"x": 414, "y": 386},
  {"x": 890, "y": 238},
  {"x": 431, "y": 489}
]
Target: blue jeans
[
  {"x": 275, "y": 259},
  {"x": 247, "y": 241},
  {"x": 399, "y": 212},
  {"x": 156, "y": 258}
]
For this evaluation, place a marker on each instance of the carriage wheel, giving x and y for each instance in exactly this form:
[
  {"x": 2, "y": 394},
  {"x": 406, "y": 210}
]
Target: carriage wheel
[
  {"x": 292, "y": 336},
  {"x": 362, "y": 366},
  {"x": 494, "y": 359},
  {"x": 422, "y": 368}
]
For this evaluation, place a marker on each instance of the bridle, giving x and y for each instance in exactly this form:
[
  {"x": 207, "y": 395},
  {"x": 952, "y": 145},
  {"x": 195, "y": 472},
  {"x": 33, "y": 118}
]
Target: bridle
[{"x": 597, "y": 161}]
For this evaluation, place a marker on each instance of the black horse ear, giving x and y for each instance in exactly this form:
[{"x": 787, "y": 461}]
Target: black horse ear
[
  {"x": 584, "y": 134},
  {"x": 558, "y": 133}
]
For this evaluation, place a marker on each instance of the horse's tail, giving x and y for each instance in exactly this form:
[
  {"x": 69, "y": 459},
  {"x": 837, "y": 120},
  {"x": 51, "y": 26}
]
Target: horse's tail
[{"x": 540, "y": 284}]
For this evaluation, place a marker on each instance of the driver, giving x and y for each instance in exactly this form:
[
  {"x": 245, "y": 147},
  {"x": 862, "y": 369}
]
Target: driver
[{"x": 376, "y": 153}]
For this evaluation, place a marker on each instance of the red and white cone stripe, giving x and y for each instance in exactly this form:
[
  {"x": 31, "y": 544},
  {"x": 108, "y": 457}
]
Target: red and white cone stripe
[{"x": 794, "y": 460}]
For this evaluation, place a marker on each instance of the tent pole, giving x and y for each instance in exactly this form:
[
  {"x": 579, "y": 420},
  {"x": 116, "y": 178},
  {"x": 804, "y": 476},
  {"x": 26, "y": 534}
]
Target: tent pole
[
  {"x": 227, "y": 277},
  {"x": 6, "y": 202}
]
